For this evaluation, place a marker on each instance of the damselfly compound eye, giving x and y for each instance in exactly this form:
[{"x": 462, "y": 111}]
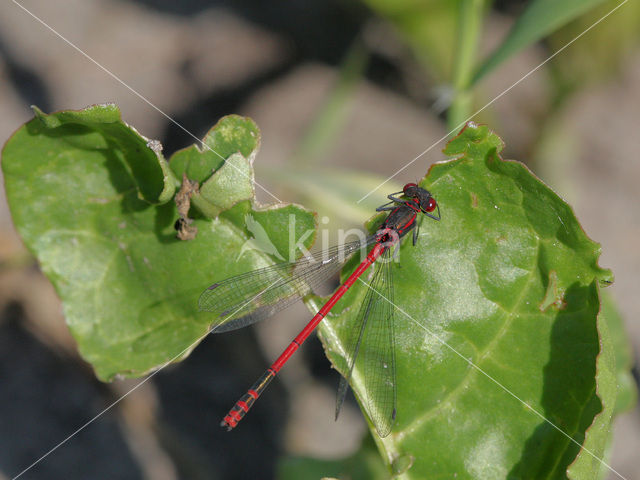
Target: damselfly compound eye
[
  {"x": 431, "y": 205},
  {"x": 408, "y": 186}
]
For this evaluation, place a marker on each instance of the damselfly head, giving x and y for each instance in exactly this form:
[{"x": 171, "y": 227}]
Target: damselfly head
[{"x": 423, "y": 197}]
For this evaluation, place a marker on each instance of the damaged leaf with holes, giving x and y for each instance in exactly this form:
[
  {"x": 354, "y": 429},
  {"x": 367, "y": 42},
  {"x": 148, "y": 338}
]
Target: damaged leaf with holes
[
  {"x": 222, "y": 167},
  {"x": 94, "y": 201}
]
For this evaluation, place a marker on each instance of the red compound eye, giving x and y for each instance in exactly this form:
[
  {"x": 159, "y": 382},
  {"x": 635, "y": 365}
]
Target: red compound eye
[
  {"x": 431, "y": 205},
  {"x": 409, "y": 185}
]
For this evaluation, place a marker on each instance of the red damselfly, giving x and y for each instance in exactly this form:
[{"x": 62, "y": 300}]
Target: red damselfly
[{"x": 250, "y": 297}]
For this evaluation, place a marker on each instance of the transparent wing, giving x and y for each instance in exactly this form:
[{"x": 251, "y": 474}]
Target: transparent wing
[
  {"x": 370, "y": 350},
  {"x": 253, "y": 296}
]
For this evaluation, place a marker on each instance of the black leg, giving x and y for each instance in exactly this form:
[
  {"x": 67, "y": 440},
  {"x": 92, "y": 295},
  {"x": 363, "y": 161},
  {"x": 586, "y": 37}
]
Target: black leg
[{"x": 393, "y": 199}]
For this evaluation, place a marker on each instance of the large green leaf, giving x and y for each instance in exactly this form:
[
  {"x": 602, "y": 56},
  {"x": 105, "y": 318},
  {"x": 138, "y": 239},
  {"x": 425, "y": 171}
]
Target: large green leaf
[
  {"x": 128, "y": 286},
  {"x": 540, "y": 18},
  {"x": 507, "y": 282}
]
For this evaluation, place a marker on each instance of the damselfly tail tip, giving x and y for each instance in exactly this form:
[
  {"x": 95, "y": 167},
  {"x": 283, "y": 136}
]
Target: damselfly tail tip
[{"x": 225, "y": 424}]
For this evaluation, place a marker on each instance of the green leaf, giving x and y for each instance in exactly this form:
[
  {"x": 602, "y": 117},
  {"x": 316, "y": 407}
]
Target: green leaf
[
  {"x": 232, "y": 134},
  {"x": 510, "y": 282},
  {"x": 223, "y": 167},
  {"x": 540, "y": 18},
  {"x": 101, "y": 127},
  {"x": 627, "y": 391},
  {"x": 129, "y": 288},
  {"x": 231, "y": 184},
  {"x": 589, "y": 461}
]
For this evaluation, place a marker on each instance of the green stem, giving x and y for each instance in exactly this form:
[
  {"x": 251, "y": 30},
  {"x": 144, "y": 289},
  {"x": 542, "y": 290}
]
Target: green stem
[
  {"x": 331, "y": 117},
  {"x": 469, "y": 27}
]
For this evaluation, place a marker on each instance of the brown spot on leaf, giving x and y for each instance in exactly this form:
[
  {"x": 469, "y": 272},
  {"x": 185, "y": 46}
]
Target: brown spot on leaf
[{"x": 185, "y": 230}]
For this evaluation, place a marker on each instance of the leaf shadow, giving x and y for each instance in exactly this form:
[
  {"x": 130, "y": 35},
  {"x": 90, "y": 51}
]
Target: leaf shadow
[
  {"x": 569, "y": 397},
  {"x": 83, "y": 137}
]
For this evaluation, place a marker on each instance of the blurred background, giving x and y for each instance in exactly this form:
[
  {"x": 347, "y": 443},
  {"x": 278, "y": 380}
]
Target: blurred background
[{"x": 352, "y": 91}]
